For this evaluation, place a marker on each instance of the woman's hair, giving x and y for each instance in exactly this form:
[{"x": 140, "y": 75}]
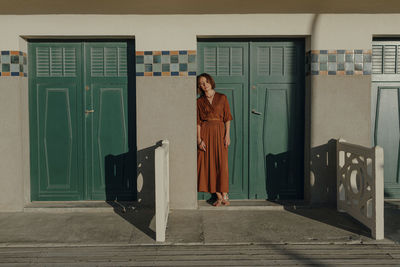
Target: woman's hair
[{"x": 208, "y": 78}]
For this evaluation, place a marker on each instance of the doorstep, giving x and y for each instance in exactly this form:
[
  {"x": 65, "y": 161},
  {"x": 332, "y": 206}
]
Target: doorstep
[
  {"x": 252, "y": 204},
  {"x": 70, "y": 206}
]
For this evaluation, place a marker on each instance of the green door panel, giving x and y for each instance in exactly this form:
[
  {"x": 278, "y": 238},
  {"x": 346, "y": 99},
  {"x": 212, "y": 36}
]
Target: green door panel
[
  {"x": 107, "y": 125},
  {"x": 227, "y": 62},
  {"x": 385, "y": 123},
  {"x": 264, "y": 83},
  {"x": 55, "y": 101},
  {"x": 237, "y": 186},
  {"x": 276, "y": 120},
  {"x": 78, "y": 114}
]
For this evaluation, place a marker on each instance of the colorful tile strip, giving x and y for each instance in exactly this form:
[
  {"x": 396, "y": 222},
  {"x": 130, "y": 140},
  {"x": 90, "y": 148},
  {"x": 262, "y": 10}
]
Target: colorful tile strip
[
  {"x": 13, "y": 63},
  {"x": 183, "y": 63},
  {"x": 166, "y": 63},
  {"x": 339, "y": 62}
]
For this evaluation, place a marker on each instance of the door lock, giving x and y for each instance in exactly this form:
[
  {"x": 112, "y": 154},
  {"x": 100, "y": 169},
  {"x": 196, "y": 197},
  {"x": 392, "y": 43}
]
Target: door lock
[
  {"x": 255, "y": 112},
  {"x": 89, "y": 111}
]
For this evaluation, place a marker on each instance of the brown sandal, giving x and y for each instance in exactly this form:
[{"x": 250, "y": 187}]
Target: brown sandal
[{"x": 225, "y": 200}]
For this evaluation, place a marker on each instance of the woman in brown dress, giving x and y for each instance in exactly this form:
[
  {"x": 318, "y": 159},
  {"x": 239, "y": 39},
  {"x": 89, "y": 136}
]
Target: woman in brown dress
[{"x": 213, "y": 125}]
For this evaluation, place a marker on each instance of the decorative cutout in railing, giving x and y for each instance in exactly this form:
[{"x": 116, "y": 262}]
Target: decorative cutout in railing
[
  {"x": 161, "y": 163},
  {"x": 360, "y": 185}
]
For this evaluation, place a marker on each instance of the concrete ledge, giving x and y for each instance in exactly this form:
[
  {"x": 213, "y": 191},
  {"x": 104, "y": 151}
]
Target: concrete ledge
[
  {"x": 69, "y": 206},
  {"x": 253, "y": 205}
]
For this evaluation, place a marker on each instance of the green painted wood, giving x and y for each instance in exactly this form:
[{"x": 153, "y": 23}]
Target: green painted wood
[
  {"x": 276, "y": 120},
  {"x": 107, "y": 126},
  {"x": 56, "y": 128},
  {"x": 227, "y": 62},
  {"x": 78, "y": 155},
  {"x": 266, "y": 158},
  {"x": 385, "y": 123}
]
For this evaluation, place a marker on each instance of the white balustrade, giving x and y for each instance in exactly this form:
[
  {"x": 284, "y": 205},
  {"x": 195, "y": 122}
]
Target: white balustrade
[
  {"x": 161, "y": 164},
  {"x": 360, "y": 190}
]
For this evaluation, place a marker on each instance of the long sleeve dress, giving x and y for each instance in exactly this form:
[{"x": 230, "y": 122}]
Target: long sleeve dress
[{"x": 212, "y": 164}]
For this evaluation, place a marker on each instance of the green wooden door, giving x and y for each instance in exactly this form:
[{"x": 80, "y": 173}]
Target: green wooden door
[
  {"x": 107, "y": 127},
  {"x": 78, "y": 120},
  {"x": 385, "y": 124},
  {"x": 276, "y": 120},
  {"x": 264, "y": 83},
  {"x": 385, "y": 110},
  {"x": 228, "y": 64}
]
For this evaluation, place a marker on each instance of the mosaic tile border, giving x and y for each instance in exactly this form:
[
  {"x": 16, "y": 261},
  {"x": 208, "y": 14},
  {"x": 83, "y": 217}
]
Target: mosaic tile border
[
  {"x": 339, "y": 62},
  {"x": 166, "y": 63},
  {"x": 13, "y": 63}
]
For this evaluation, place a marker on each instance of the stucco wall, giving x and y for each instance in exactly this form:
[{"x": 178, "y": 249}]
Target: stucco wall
[
  {"x": 195, "y": 7},
  {"x": 339, "y": 105},
  {"x": 11, "y": 177},
  {"x": 174, "y": 32},
  {"x": 341, "y": 109},
  {"x": 167, "y": 110}
]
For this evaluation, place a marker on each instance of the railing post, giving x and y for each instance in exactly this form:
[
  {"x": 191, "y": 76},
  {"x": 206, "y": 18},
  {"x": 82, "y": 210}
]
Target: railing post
[
  {"x": 161, "y": 164},
  {"x": 360, "y": 186},
  {"x": 378, "y": 232}
]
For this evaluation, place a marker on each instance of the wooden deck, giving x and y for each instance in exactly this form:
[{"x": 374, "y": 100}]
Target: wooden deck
[{"x": 204, "y": 255}]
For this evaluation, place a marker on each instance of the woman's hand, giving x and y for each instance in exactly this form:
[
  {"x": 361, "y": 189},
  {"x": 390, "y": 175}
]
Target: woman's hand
[
  {"x": 227, "y": 140},
  {"x": 202, "y": 145}
]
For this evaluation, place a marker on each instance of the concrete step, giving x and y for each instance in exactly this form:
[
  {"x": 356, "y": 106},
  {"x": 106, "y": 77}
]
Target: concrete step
[
  {"x": 71, "y": 206},
  {"x": 253, "y": 205}
]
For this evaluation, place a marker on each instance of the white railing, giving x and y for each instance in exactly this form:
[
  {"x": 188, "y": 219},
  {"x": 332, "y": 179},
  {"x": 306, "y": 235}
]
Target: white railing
[
  {"x": 360, "y": 190},
  {"x": 161, "y": 163}
]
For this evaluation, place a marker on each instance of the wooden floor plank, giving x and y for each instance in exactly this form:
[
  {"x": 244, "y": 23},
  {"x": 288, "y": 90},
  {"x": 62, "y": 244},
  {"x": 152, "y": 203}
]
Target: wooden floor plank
[{"x": 235, "y": 255}]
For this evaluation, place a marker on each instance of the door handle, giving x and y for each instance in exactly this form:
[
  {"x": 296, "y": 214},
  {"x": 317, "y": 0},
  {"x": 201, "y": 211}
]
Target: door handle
[
  {"x": 89, "y": 111},
  {"x": 255, "y": 112}
]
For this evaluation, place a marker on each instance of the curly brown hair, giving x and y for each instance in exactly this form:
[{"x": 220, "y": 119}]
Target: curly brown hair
[{"x": 209, "y": 79}]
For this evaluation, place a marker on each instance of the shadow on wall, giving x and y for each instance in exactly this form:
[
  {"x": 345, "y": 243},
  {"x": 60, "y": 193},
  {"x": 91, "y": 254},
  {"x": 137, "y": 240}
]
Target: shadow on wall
[
  {"x": 120, "y": 183},
  {"x": 130, "y": 181},
  {"x": 140, "y": 210},
  {"x": 284, "y": 177},
  {"x": 392, "y": 220},
  {"x": 323, "y": 174},
  {"x": 277, "y": 173}
]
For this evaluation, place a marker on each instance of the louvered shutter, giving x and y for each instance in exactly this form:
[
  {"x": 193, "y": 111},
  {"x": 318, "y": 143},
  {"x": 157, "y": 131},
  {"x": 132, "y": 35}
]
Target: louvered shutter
[
  {"x": 276, "y": 61},
  {"x": 385, "y": 60},
  {"x": 56, "y": 61},
  {"x": 108, "y": 61},
  {"x": 223, "y": 60}
]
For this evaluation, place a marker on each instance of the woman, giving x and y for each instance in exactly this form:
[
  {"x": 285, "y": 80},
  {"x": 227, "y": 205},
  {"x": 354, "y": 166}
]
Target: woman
[{"x": 213, "y": 125}]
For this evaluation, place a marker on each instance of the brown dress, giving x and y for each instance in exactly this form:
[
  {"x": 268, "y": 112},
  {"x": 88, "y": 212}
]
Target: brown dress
[{"x": 212, "y": 164}]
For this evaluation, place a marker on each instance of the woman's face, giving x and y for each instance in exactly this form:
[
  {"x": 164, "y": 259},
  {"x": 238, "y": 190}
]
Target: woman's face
[{"x": 204, "y": 84}]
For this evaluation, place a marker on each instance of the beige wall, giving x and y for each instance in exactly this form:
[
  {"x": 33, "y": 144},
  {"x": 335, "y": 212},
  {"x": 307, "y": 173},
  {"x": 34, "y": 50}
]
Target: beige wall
[
  {"x": 166, "y": 109},
  {"x": 11, "y": 173},
  {"x": 340, "y": 108},
  {"x": 196, "y": 7},
  {"x": 174, "y": 32},
  {"x": 339, "y": 105}
]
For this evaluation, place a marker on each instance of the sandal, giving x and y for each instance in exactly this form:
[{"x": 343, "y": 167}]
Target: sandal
[
  {"x": 217, "y": 202},
  {"x": 225, "y": 200}
]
